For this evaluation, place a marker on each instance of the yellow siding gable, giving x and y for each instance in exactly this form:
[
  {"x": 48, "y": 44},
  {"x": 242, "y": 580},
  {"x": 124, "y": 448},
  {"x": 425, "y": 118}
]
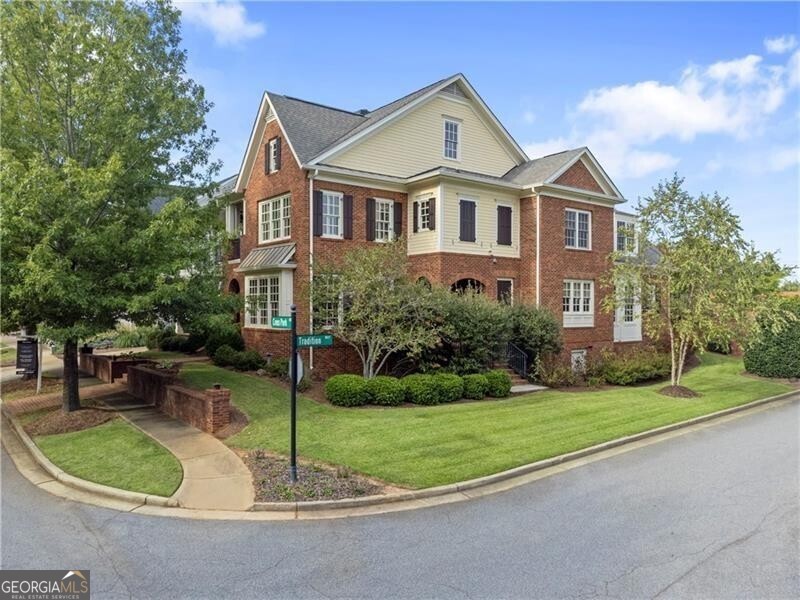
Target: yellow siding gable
[
  {"x": 414, "y": 143},
  {"x": 422, "y": 242}
]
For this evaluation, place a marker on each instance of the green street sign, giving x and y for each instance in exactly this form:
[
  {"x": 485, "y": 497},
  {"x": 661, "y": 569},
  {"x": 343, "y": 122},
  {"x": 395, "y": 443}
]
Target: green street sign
[
  {"x": 282, "y": 322},
  {"x": 320, "y": 340}
]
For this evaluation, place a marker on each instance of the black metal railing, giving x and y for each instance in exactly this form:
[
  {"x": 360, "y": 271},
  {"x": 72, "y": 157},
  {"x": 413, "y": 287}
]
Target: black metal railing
[
  {"x": 517, "y": 360},
  {"x": 236, "y": 248}
]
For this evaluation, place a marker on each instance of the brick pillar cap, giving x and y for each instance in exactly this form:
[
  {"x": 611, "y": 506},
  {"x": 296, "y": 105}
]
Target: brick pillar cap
[{"x": 217, "y": 386}]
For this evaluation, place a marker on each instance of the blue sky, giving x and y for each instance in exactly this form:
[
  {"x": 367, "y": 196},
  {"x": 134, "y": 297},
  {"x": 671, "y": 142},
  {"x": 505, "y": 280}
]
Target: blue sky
[{"x": 709, "y": 90}]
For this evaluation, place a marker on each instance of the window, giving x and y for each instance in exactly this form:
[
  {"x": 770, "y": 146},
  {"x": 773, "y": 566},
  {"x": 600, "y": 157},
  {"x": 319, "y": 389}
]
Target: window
[
  {"x": 235, "y": 219},
  {"x": 331, "y": 214},
  {"x": 626, "y": 242},
  {"x": 273, "y": 152},
  {"x": 262, "y": 300},
  {"x": 505, "y": 291},
  {"x": 384, "y": 220},
  {"x": 578, "y": 303},
  {"x": 275, "y": 219},
  {"x": 424, "y": 215},
  {"x": 452, "y": 141},
  {"x": 577, "y": 229},
  {"x": 329, "y": 305}
]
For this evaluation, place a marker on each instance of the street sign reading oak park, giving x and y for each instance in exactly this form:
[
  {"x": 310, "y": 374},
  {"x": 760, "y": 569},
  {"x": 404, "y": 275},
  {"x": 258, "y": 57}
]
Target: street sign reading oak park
[{"x": 282, "y": 322}]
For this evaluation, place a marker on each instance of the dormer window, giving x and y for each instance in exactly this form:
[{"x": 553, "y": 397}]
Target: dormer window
[{"x": 452, "y": 139}]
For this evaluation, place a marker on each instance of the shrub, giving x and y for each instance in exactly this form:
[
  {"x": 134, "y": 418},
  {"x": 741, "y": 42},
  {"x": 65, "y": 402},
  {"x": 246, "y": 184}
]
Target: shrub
[
  {"x": 451, "y": 386},
  {"x": 421, "y": 389},
  {"x": 385, "y": 391},
  {"x": 225, "y": 356},
  {"x": 248, "y": 360},
  {"x": 346, "y": 390},
  {"x": 776, "y": 353},
  {"x": 193, "y": 343},
  {"x": 278, "y": 367},
  {"x": 554, "y": 373},
  {"x": 132, "y": 336},
  {"x": 535, "y": 331},
  {"x": 633, "y": 367},
  {"x": 475, "y": 386},
  {"x": 172, "y": 343},
  {"x": 499, "y": 384},
  {"x": 224, "y": 337}
]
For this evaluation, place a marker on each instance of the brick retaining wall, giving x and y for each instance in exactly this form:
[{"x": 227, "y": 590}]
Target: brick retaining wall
[{"x": 106, "y": 367}]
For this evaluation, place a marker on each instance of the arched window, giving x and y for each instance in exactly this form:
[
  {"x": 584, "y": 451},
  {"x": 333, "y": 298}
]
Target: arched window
[
  {"x": 462, "y": 285},
  {"x": 233, "y": 287}
]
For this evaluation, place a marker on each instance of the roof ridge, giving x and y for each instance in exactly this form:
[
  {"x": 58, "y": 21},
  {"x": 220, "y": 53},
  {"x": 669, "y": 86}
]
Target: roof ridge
[
  {"x": 414, "y": 92},
  {"x": 559, "y": 152},
  {"x": 296, "y": 99}
]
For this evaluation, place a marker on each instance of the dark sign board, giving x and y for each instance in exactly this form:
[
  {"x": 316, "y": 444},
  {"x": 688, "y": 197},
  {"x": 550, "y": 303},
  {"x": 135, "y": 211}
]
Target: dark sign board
[{"x": 27, "y": 356}]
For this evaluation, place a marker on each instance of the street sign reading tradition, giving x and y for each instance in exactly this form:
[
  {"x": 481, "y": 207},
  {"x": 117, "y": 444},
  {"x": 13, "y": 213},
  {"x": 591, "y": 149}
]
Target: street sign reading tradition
[{"x": 318, "y": 340}]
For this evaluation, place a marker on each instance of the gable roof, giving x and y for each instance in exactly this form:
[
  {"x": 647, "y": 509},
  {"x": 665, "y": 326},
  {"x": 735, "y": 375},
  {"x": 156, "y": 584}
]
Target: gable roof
[{"x": 314, "y": 131}]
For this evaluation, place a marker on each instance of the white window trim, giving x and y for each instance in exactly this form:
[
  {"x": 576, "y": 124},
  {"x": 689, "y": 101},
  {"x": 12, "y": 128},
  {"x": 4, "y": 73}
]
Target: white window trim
[
  {"x": 511, "y": 281},
  {"x": 631, "y": 222},
  {"x": 458, "y": 123},
  {"x": 279, "y": 199},
  {"x": 272, "y": 148},
  {"x": 391, "y": 219},
  {"x": 580, "y": 318},
  {"x": 284, "y": 297},
  {"x": 340, "y": 196},
  {"x": 420, "y": 200},
  {"x": 589, "y": 236}
]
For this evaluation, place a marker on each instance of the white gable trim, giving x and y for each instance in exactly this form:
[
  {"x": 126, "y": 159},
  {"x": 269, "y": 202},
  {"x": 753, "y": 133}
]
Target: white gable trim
[
  {"x": 471, "y": 93},
  {"x": 257, "y": 132},
  {"x": 578, "y": 195},
  {"x": 591, "y": 163}
]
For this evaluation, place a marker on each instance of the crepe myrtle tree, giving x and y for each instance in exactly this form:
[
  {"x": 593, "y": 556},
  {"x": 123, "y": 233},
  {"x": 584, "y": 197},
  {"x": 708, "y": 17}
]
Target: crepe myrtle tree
[
  {"x": 368, "y": 301},
  {"x": 697, "y": 279},
  {"x": 100, "y": 118}
]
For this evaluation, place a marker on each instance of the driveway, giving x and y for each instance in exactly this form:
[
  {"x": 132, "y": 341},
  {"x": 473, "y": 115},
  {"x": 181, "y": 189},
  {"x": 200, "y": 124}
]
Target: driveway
[{"x": 710, "y": 514}]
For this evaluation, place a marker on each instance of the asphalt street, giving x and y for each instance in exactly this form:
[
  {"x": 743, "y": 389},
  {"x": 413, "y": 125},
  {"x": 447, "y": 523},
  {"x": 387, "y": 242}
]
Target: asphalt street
[{"x": 710, "y": 514}]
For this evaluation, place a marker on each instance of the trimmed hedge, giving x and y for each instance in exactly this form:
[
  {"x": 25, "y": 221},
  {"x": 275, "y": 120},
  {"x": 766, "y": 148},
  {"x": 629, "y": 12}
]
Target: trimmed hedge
[
  {"x": 346, "y": 390},
  {"x": 422, "y": 389},
  {"x": 451, "y": 386},
  {"x": 773, "y": 354},
  {"x": 247, "y": 360},
  {"x": 499, "y": 384},
  {"x": 633, "y": 367},
  {"x": 385, "y": 391},
  {"x": 475, "y": 386}
]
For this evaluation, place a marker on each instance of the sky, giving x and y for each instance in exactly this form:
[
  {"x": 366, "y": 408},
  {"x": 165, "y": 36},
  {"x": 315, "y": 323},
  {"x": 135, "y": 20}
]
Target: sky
[{"x": 710, "y": 91}]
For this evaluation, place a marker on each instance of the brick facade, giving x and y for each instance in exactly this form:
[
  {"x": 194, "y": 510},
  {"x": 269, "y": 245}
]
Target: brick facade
[{"x": 557, "y": 262}]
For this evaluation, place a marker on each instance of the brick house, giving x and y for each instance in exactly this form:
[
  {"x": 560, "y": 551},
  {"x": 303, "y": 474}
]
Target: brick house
[{"x": 437, "y": 167}]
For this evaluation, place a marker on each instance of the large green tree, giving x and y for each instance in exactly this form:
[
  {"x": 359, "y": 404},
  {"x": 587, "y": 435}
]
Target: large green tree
[
  {"x": 99, "y": 118},
  {"x": 697, "y": 278}
]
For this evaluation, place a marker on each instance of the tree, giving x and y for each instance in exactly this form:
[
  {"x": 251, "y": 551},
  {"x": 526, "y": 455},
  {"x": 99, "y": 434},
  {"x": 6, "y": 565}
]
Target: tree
[
  {"x": 99, "y": 119},
  {"x": 368, "y": 302},
  {"x": 696, "y": 277}
]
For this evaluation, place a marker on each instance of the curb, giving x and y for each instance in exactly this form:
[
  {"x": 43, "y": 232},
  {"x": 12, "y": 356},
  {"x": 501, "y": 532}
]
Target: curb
[
  {"x": 301, "y": 510},
  {"x": 479, "y": 482},
  {"x": 82, "y": 484}
]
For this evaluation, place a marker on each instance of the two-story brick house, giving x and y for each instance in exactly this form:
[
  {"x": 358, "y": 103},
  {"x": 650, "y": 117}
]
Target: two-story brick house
[{"x": 437, "y": 167}]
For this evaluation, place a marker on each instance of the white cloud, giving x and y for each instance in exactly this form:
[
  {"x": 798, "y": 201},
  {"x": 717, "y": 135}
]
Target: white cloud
[
  {"x": 227, "y": 20},
  {"x": 734, "y": 98},
  {"x": 529, "y": 117},
  {"x": 781, "y": 44}
]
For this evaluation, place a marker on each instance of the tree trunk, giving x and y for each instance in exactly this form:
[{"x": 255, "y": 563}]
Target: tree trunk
[{"x": 70, "y": 398}]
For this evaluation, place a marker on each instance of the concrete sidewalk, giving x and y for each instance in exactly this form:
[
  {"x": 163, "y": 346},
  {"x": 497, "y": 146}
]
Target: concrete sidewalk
[{"x": 214, "y": 477}]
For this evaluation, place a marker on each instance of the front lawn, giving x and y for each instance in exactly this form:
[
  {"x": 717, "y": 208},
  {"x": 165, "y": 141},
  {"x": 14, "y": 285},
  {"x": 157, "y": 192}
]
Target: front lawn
[
  {"x": 115, "y": 454},
  {"x": 428, "y": 446},
  {"x": 8, "y": 356}
]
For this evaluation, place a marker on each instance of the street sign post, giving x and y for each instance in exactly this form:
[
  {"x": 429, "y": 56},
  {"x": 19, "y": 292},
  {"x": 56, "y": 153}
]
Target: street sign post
[
  {"x": 318, "y": 340},
  {"x": 293, "y": 429},
  {"x": 279, "y": 322}
]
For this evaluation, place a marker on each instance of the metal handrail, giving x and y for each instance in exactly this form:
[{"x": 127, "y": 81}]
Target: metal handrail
[{"x": 517, "y": 360}]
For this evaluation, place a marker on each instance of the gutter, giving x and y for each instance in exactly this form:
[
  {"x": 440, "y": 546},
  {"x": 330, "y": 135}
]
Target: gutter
[{"x": 311, "y": 176}]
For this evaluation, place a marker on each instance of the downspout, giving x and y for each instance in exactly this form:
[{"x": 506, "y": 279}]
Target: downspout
[
  {"x": 538, "y": 248},
  {"x": 311, "y": 261}
]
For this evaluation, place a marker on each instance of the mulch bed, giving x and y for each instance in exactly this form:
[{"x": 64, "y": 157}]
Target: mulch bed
[
  {"x": 57, "y": 421},
  {"x": 314, "y": 481},
  {"x": 678, "y": 391}
]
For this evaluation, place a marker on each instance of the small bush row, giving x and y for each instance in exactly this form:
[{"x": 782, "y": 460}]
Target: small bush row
[
  {"x": 241, "y": 360},
  {"x": 423, "y": 389},
  {"x": 624, "y": 368}
]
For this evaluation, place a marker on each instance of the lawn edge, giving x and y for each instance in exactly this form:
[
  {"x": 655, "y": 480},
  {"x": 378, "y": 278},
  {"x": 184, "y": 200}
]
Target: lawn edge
[{"x": 82, "y": 484}]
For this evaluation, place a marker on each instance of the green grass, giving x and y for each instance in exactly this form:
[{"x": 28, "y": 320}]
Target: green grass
[
  {"x": 428, "y": 446},
  {"x": 115, "y": 454},
  {"x": 160, "y": 355},
  {"x": 8, "y": 355}
]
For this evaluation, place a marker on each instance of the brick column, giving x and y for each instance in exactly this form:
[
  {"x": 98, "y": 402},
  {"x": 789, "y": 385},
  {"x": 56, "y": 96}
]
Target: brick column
[{"x": 218, "y": 408}]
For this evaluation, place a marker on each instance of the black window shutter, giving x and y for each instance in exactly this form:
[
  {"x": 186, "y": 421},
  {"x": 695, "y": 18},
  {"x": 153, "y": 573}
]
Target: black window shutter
[
  {"x": 370, "y": 219},
  {"x": 504, "y": 225},
  {"x": 266, "y": 158},
  {"x": 432, "y": 213},
  {"x": 347, "y": 202},
  {"x": 467, "y": 221},
  {"x": 318, "y": 213},
  {"x": 397, "y": 207},
  {"x": 416, "y": 217},
  {"x": 278, "y": 154}
]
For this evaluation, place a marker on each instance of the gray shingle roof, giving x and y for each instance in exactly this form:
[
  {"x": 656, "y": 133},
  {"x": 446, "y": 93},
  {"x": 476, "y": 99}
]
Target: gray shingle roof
[
  {"x": 540, "y": 169},
  {"x": 268, "y": 258}
]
